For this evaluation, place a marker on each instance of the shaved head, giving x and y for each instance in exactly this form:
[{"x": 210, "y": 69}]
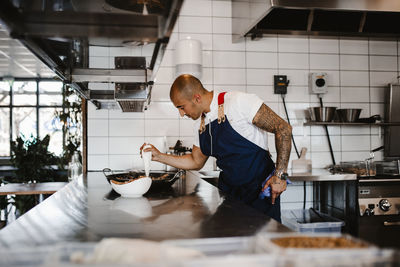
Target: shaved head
[
  {"x": 190, "y": 97},
  {"x": 186, "y": 86}
]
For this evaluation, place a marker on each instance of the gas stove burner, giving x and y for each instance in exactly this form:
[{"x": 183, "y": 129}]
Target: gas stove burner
[{"x": 141, "y": 6}]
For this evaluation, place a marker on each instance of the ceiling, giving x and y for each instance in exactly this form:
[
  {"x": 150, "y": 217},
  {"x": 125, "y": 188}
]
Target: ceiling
[{"x": 17, "y": 61}]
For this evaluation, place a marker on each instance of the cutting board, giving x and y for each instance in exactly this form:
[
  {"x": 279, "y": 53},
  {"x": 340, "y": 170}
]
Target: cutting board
[{"x": 302, "y": 165}]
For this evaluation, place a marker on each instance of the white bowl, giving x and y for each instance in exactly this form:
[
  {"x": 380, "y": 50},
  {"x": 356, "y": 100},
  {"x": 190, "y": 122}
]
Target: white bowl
[{"x": 135, "y": 188}]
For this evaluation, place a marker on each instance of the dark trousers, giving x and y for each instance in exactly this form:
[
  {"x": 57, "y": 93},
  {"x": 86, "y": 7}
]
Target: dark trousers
[{"x": 265, "y": 206}]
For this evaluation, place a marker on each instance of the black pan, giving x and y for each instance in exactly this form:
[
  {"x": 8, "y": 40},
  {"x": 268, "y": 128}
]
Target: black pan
[{"x": 159, "y": 178}]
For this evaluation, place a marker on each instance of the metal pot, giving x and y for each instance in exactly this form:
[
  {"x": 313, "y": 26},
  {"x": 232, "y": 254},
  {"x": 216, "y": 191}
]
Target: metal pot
[
  {"x": 349, "y": 114},
  {"x": 324, "y": 114}
]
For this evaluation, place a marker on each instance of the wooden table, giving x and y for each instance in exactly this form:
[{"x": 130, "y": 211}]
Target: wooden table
[{"x": 31, "y": 189}]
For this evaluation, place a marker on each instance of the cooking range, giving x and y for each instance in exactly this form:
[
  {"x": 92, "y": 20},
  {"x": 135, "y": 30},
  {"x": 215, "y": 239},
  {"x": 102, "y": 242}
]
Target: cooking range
[
  {"x": 379, "y": 210},
  {"x": 370, "y": 205}
]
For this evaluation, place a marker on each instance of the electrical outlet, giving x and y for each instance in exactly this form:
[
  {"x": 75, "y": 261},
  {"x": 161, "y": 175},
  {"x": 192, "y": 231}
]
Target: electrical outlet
[
  {"x": 318, "y": 83},
  {"x": 280, "y": 84}
]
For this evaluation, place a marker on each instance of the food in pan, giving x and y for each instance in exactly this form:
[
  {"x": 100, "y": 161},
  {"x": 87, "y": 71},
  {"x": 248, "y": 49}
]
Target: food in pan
[
  {"x": 316, "y": 242},
  {"x": 359, "y": 171},
  {"x": 132, "y": 178},
  {"x": 155, "y": 178},
  {"x": 162, "y": 177},
  {"x": 126, "y": 180}
]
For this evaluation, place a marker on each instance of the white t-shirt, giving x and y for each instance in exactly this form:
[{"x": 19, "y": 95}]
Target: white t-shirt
[{"x": 240, "y": 109}]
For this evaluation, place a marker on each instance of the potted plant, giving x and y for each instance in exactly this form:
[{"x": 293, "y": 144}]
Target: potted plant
[{"x": 33, "y": 163}]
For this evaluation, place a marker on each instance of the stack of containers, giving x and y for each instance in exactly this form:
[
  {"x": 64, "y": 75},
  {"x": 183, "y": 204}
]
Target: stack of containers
[{"x": 311, "y": 221}]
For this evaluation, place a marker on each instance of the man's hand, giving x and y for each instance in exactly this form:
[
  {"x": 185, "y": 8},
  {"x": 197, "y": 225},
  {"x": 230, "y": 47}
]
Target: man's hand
[
  {"x": 277, "y": 187},
  {"x": 155, "y": 153}
]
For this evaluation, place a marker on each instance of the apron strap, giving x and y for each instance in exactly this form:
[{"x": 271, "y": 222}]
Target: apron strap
[
  {"x": 202, "y": 124},
  {"x": 221, "y": 113}
]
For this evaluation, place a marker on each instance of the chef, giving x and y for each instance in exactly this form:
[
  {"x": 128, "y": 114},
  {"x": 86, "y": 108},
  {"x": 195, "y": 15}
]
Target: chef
[{"x": 232, "y": 127}]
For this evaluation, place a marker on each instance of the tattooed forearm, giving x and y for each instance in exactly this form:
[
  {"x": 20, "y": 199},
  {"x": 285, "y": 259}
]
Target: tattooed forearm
[{"x": 269, "y": 121}]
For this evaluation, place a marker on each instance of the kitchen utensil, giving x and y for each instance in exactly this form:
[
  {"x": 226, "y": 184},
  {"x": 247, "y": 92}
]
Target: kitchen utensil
[
  {"x": 146, "y": 160},
  {"x": 312, "y": 113},
  {"x": 134, "y": 189},
  {"x": 301, "y": 165},
  {"x": 324, "y": 114},
  {"x": 371, "y": 119},
  {"x": 349, "y": 114},
  {"x": 160, "y": 179}
]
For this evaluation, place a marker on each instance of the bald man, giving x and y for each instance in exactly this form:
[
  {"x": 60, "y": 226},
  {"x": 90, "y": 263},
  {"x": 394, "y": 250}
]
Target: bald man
[{"x": 232, "y": 127}]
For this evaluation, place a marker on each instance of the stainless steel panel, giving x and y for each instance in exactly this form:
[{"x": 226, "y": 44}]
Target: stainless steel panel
[
  {"x": 246, "y": 14},
  {"x": 360, "y": 5},
  {"x": 310, "y": 17},
  {"x": 392, "y": 133},
  {"x": 60, "y": 32},
  {"x": 109, "y": 75},
  {"x": 131, "y": 106}
]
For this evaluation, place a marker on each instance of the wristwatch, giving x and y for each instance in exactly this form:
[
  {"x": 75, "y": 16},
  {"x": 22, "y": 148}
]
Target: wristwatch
[{"x": 282, "y": 175}]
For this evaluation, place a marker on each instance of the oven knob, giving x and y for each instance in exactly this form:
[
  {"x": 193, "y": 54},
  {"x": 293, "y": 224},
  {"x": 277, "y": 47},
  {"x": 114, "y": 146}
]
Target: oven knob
[
  {"x": 384, "y": 204},
  {"x": 368, "y": 212}
]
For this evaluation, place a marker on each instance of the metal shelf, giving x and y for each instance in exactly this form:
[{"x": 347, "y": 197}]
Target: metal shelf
[{"x": 311, "y": 123}]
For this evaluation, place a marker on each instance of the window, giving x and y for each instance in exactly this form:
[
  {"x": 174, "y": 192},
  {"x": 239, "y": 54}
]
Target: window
[
  {"x": 51, "y": 125},
  {"x": 24, "y": 122},
  {"x": 24, "y": 93},
  {"x": 27, "y": 107},
  {"x": 4, "y": 132},
  {"x": 4, "y": 93}
]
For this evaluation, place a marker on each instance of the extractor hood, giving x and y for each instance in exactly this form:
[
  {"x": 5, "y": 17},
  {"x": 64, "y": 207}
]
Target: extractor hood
[
  {"x": 59, "y": 32},
  {"x": 255, "y": 18}
]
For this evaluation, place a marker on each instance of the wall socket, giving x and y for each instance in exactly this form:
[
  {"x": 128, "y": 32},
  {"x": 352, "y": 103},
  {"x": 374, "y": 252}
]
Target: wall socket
[
  {"x": 280, "y": 84},
  {"x": 318, "y": 82}
]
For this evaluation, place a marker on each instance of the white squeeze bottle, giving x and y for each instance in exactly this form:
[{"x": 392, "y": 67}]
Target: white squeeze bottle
[{"x": 146, "y": 160}]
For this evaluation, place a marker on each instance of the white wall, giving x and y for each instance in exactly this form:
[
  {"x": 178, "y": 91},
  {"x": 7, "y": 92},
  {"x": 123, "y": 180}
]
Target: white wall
[{"x": 358, "y": 70}]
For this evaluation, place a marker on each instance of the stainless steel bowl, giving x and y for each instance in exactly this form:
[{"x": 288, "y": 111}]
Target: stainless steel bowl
[
  {"x": 349, "y": 114},
  {"x": 324, "y": 114}
]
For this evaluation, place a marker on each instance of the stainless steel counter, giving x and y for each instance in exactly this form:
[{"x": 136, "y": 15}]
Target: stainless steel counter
[
  {"x": 316, "y": 175},
  {"x": 321, "y": 175},
  {"x": 88, "y": 210}
]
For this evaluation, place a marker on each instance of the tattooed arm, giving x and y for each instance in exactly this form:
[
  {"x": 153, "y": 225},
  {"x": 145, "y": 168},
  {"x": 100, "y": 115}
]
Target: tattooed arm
[{"x": 269, "y": 121}]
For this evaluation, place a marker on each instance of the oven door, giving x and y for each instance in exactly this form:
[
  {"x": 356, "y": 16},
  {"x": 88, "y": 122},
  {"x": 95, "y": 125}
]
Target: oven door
[{"x": 383, "y": 231}]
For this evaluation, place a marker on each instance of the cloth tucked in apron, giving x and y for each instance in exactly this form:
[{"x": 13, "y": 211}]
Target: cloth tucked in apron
[{"x": 244, "y": 165}]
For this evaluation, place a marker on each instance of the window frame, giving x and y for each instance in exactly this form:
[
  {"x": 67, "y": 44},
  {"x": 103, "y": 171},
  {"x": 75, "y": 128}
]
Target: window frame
[{"x": 37, "y": 106}]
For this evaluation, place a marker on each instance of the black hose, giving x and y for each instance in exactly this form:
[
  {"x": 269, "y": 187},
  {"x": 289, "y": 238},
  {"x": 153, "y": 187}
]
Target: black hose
[
  {"x": 327, "y": 135},
  {"x": 297, "y": 152},
  {"x": 287, "y": 116}
]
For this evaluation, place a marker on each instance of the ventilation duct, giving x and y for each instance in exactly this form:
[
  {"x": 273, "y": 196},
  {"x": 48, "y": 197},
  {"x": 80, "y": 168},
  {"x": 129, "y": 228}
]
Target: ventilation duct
[{"x": 254, "y": 18}]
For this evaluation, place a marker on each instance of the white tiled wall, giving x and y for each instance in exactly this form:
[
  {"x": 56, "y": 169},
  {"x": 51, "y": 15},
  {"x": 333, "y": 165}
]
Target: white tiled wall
[{"x": 358, "y": 70}]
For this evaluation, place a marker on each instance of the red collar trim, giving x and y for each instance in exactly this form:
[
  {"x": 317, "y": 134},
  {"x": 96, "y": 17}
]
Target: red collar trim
[{"x": 221, "y": 99}]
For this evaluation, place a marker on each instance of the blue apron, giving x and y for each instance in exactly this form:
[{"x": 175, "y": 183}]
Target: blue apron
[{"x": 245, "y": 165}]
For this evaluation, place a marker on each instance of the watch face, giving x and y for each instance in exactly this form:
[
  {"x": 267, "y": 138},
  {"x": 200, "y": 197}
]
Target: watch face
[{"x": 284, "y": 176}]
